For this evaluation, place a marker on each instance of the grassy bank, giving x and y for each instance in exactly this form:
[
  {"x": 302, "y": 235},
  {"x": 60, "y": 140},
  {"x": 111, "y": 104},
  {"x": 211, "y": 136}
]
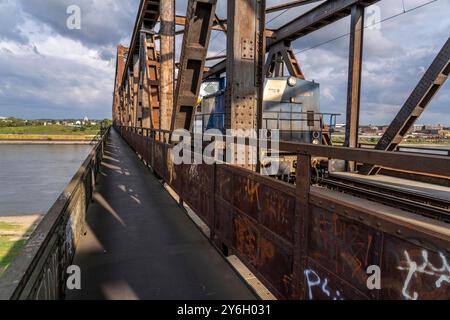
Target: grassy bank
[
  {"x": 14, "y": 233},
  {"x": 49, "y": 133},
  {"x": 49, "y": 130}
]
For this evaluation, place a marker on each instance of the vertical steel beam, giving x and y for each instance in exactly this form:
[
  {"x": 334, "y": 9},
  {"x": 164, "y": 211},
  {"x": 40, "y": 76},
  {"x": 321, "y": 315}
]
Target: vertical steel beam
[
  {"x": 244, "y": 64},
  {"x": 354, "y": 78},
  {"x": 144, "y": 101},
  {"x": 197, "y": 33},
  {"x": 120, "y": 66},
  {"x": 429, "y": 85},
  {"x": 129, "y": 98},
  {"x": 167, "y": 38},
  {"x": 150, "y": 81},
  {"x": 302, "y": 190},
  {"x": 136, "y": 89}
]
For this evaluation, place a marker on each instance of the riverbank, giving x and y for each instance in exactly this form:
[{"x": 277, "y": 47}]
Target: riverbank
[
  {"x": 14, "y": 233},
  {"x": 46, "y": 139}
]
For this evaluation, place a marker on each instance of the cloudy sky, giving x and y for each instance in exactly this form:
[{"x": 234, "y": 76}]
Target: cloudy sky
[{"x": 49, "y": 71}]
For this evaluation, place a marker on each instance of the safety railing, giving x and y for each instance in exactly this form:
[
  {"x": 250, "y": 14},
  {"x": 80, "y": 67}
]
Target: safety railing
[
  {"x": 306, "y": 242},
  {"x": 39, "y": 272}
]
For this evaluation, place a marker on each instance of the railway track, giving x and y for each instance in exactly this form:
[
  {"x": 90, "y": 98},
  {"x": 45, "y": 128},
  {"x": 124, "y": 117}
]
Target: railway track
[{"x": 424, "y": 205}]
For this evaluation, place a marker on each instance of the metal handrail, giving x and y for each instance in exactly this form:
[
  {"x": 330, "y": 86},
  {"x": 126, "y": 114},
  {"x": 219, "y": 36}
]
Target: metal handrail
[{"x": 430, "y": 164}]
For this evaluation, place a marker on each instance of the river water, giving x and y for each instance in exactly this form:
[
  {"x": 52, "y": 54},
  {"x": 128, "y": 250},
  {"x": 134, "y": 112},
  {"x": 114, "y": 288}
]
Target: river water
[{"x": 33, "y": 176}]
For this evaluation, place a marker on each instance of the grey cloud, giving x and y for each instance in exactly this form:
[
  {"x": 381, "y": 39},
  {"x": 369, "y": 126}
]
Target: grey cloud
[
  {"x": 52, "y": 87},
  {"x": 103, "y": 22},
  {"x": 10, "y": 22}
]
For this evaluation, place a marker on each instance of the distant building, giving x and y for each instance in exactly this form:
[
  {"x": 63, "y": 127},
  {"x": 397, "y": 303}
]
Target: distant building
[
  {"x": 418, "y": 127},
  {"x": 434, "y": 127}
]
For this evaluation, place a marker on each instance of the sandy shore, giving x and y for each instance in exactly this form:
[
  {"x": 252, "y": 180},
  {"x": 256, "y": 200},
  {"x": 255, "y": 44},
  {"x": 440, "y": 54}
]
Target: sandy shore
[{"x": 14, "y": 233}]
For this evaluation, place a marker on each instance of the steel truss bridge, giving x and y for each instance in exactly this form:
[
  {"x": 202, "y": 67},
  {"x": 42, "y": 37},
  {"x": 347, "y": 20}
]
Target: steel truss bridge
[{"x": 136, "y": 239}]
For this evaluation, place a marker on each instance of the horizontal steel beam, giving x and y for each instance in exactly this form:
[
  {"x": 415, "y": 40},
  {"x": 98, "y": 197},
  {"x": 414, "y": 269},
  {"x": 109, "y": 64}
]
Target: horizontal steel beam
[
  {"x": 289, "y": 5},
  {"x": 315, "y": 19},
  {"x": 438, "y": 165}
]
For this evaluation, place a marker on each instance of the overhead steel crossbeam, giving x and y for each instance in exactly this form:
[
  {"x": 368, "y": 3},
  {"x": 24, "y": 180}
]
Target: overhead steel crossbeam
[
  {"x": 289, "y": 5},
  {"x": 429, "y": 85},
  {"x": 315, "y": 19},
  {"x": 221, "y": 24},
  {"x": 197, "y": 34}
]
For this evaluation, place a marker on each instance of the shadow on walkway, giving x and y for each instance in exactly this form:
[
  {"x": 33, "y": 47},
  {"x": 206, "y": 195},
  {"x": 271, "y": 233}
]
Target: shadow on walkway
[{"x": 141, "y": 245}]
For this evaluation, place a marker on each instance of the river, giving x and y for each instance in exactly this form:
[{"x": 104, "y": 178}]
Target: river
[{"x": 33, "y": 176}]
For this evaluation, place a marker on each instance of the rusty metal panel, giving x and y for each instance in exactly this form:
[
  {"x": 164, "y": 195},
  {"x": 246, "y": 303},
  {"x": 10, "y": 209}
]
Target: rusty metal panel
[
  {"x": 223, "y": 224},
  {"x": 415, "y": 271},
  {"x": 174, "y": 174},
  {"x": 342, "y": 246},
  {"x": 277, "y": 212},
  {"x": 197, "y": 189},
  {"x": 159, "y": 158},
  {"x": 246, "y": 239},
  {"x": 224, "y": 183},
  {"x": 246, "y": 195},
  {"x": 254, "y": 217},
  {"x": 275, "y": 264},
  {"x": 324, "y": 285}
]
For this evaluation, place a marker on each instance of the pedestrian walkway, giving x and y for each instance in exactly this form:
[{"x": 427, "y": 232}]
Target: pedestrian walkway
[{"x": 140, "y": 244}]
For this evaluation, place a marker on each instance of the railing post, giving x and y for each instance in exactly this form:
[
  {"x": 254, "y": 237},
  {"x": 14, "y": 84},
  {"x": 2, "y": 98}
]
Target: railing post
[
  {"x": 152, "y": 154},
  {"x": 303, "y": 185},
  {"x": 212, "y": 229}
]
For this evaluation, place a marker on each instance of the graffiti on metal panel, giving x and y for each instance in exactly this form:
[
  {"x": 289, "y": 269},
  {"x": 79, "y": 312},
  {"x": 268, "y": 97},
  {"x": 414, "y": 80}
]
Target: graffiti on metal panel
[
  {"x": 194, "y": 175},
  {"x": 277, "y": 207},
  {"x": 315, "y": 282},
  {"x": 251, "y": 190},
  {"x": 346, "y": 243},
  {"x": 439, "y": 274}
]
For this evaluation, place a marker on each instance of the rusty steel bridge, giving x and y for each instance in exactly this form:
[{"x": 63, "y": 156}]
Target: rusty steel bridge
[{"x": 142, "y": 227}]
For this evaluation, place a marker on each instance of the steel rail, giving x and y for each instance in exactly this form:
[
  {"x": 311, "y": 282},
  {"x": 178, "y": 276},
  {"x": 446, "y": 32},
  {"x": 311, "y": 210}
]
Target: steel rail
[{"x": 401, "y": 200}]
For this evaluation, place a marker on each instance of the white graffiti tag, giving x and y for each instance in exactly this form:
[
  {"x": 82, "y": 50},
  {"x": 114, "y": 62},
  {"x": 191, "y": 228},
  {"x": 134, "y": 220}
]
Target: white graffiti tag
[
  {"x": 314, "y": 280},
  {"x": 441, "y": 274}
]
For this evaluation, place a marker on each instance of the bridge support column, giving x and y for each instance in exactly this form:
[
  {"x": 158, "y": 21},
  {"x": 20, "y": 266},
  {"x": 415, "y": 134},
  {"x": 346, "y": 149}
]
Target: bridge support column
[
  {"x": 167, "y": 36},
  {"x": 354, "y": 79},
  {"x": 245, "y": 61}
]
